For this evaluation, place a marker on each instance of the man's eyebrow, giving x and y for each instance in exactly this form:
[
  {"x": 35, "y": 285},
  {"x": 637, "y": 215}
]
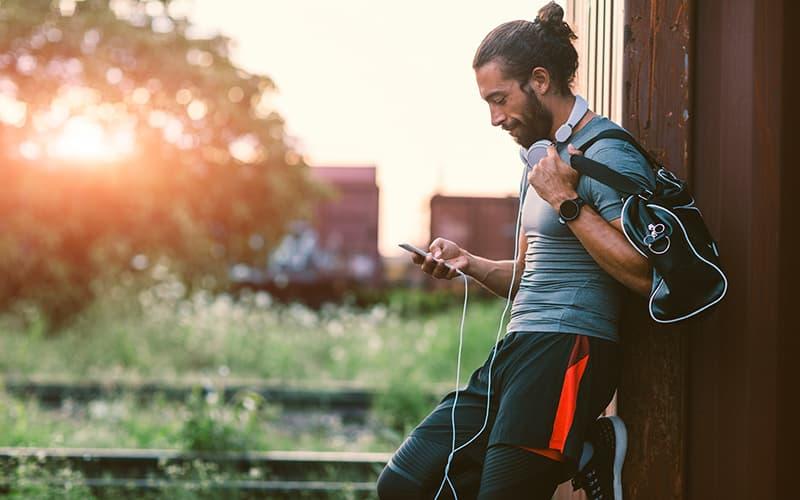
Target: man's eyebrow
[{"x": 493, "y": 94}]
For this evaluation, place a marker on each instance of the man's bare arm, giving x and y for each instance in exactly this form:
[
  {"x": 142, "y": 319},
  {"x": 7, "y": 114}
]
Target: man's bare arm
[
  {"x": 446, "y": 257},
  {"x": 495, "y": 275},
  {"x": 555, "y": 182},
  {"x": 608, "y": 246}
]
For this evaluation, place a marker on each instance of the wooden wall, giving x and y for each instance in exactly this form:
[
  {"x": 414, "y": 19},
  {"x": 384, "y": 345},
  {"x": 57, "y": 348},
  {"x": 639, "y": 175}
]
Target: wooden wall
[
  {"x": 738, "y": 175},
  {"x": 656, "y": 108}
]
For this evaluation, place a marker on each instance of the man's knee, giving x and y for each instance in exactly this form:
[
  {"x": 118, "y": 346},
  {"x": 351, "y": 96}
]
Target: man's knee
[
  {"x": 393, "y": 485},
  {"x": 510, "y": 469}
]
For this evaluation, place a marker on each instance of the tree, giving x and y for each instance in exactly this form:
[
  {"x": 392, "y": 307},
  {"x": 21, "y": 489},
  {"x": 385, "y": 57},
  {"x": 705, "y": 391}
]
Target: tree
[{"x": 123, "y": 139}]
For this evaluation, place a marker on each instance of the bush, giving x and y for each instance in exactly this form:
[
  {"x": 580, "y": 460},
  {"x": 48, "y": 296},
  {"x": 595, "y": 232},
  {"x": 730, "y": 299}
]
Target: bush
[
  {"x": 30, "y": 480},
  {"x": 214, "y": 426}
]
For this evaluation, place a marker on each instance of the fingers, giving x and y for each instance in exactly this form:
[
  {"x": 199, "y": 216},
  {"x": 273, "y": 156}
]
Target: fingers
[
  {"x": 573, "y": 150},
  {"x": 436, "y": 268},
  {"x": 434, "y": 263},
  {"x": 551, "y": 159},
  {"x": 442, "y": 270},
  {"x": 451, "y": 273},
  {"x": 436, "y": 247}
]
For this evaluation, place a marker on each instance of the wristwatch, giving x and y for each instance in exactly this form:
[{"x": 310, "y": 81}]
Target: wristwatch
[{"x": 570, "y": 209}]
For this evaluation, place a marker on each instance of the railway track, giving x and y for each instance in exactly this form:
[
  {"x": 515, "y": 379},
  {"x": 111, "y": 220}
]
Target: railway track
[
  {"x": 275, "y": 474},
  {"x": 352, "y": 403},
  {"x": 135, "y": 473}
]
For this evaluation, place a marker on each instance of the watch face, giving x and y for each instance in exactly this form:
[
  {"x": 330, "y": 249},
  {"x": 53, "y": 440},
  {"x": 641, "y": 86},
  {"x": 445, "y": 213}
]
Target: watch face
[{"x": 569, "y": 210}]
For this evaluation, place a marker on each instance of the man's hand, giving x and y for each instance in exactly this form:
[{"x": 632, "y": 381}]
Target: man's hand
[
  {"x": 443, "y": 253},
  {"x": 553, "y": 179}
]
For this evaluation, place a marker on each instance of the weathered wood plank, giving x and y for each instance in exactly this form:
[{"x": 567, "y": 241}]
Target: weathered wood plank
[{"x": 656, "y": 108}]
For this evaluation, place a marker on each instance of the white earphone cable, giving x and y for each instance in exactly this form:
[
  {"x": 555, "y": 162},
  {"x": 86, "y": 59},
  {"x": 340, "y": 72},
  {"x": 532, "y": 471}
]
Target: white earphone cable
[
  {"x": 579, "y": 110},
  {"x": 453, "y": 450}
]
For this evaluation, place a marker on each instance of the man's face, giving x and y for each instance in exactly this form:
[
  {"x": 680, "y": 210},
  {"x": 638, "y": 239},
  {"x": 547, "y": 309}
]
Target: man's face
[{"x": 518, "y": 111}]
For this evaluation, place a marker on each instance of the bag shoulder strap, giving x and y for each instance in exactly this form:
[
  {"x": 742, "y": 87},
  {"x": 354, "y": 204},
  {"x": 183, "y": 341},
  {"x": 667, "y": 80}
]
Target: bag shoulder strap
[
  {"x": 622, "y": 135},
  {"x": 602, "y": 173}
]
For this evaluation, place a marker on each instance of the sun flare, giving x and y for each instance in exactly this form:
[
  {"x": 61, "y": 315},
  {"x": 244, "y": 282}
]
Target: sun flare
[{"x": 83, "y": 138}]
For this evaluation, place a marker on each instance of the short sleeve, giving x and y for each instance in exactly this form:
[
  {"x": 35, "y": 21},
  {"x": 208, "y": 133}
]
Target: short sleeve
[{"x": 623, "y": 158}]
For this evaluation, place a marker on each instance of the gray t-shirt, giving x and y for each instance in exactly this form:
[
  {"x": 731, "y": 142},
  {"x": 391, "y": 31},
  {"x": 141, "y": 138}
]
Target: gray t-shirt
[{"x": 562, "y": 288}]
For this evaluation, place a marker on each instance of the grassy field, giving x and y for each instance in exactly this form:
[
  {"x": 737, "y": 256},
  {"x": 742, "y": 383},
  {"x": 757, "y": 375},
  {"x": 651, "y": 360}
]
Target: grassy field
[
  {"x": 162, "y": 335},
  {"x": 405, "y": 348},
  {"x": 199, "y": 424}
]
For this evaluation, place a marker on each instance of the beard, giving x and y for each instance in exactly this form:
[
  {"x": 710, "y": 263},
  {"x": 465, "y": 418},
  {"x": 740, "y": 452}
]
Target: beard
[{"x": 536, "y": 122}]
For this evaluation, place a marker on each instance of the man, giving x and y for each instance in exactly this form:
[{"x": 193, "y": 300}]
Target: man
[{"x": 557, "y": 367}]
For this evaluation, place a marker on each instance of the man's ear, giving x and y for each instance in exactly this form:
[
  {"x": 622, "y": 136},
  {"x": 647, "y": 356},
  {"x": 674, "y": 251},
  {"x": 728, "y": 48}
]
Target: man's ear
[{"x": 540, "y": 80}]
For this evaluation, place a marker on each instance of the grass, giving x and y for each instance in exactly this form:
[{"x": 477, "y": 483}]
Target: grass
[
  {"x": 164, "y": 335},
  {"x": 404, "y": 348},
  {"x": 200, "y": 424},
  {"x": 31, "y": 479}
]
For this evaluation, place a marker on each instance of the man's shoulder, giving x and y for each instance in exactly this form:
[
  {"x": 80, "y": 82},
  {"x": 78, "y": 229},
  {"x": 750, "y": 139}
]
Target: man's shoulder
[
  {"x": 596, "y": 126},
  {"x": 618, "y": 154}
]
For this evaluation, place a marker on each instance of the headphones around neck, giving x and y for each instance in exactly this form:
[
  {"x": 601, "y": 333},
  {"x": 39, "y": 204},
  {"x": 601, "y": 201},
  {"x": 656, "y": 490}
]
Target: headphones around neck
[
  {"x": 538, "y": 150},
  {"x": 579, "y": 109}
]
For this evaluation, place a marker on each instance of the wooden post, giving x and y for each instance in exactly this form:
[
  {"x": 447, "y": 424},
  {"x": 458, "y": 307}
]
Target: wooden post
[{"x": 656, "y": 109}]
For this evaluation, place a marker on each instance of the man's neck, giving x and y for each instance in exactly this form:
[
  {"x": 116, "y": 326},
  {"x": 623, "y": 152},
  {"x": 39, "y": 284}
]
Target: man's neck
[{"x": 583, "y": 121}]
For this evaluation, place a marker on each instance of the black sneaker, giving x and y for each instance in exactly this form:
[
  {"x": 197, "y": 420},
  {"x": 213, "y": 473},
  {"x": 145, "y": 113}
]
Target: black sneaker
[{"x": 600, "y": 473}]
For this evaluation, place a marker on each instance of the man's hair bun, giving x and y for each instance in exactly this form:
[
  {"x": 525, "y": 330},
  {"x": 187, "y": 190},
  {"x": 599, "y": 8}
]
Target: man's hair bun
[
  {"x": 520, "y": 46},
  {"x": 551, "y": 14},
  {"x": 551, "y": 19}
]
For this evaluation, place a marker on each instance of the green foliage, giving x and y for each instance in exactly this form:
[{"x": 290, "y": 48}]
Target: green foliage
[
  {"x": 213, "y": 426},
  {"x": 30, "y": 480},
  {"x": 164, "y": 333},
  {"x": 416, "y": 302},
  {"x": 125, "y": 422},
  {"x": 205, "y": 478},
  {"x": 403, "y": 403},
  {"x": 212, "y": 178}
]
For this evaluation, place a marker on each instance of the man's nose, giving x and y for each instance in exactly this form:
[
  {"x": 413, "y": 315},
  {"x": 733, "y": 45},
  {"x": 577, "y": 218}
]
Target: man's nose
[{"x": 498, "y": 117}]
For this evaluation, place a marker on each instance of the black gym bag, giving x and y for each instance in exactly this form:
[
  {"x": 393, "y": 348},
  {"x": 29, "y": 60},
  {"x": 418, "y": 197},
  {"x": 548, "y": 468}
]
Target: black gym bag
[{"x": 665, "y": 226}]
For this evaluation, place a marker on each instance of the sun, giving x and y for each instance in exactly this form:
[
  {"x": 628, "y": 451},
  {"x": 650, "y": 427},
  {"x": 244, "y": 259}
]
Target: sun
[
  {"x": 78, "y": 127},
  {"x": 86, "y": 139}
]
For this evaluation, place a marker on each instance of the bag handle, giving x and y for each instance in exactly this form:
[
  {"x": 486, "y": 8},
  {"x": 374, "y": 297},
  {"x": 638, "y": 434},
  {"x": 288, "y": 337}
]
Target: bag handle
[{"x": 607, "y": 176}]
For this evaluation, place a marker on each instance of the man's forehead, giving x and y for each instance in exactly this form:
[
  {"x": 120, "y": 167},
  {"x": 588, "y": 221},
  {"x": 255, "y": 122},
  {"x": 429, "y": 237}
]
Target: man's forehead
[{"x": 491, "y": 80}]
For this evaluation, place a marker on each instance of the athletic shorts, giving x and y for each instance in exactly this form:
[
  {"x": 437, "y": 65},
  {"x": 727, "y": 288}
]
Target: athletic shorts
[{"x": 546, "y": 389}]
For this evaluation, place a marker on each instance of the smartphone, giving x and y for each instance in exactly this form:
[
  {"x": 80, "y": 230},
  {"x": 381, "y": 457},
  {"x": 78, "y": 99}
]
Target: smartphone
[{"x": 411, "y": 248}]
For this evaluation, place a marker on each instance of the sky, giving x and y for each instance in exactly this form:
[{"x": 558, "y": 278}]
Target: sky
[{"x": 369, "y": 82}]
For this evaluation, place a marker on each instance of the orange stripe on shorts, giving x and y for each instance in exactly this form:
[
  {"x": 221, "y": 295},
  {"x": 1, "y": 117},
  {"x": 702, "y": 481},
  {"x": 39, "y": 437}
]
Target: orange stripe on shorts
[{"x": 578, "y": 359}]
